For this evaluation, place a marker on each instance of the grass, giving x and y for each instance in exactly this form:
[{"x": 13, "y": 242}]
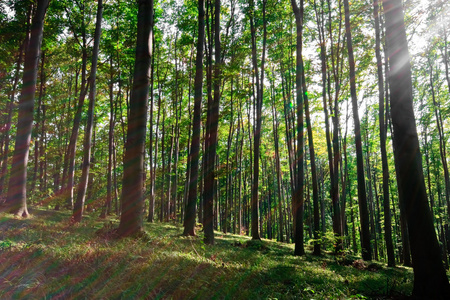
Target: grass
[{"x": 44, "y": 257}]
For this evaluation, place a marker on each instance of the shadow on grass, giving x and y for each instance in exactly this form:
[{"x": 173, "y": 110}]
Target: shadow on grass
[{"x": 48, "y": 258}]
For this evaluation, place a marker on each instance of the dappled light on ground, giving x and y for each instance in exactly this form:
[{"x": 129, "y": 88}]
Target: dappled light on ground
[{"x": 47, "y": 257}]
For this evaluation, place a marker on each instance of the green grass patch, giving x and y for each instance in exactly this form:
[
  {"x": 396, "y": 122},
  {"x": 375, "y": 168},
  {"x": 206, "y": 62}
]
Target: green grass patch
[{"x": 47, "y": 257}]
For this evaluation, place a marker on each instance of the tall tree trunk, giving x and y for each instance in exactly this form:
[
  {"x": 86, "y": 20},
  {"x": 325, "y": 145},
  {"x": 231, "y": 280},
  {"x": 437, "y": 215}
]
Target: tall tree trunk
[
  {"x": 363, "y": 211},
  {"x": 39, "y": 119},
  {"x": 16, "y": 198},
  {"x": 132, "y": 186},
  {"x": 193, "y": 158},
  {"x": 312, "y": 157},
  {"x": 107, "y": 208},
  {"x": 333, "y": 173},
  {"x": 10, "y": 104},
  {"x": 158, "y": 117},
  {"x": 430, "y": 280},
  {"x": 151, "y": 208},
  {"x": 345, "y": 178},
  {"x": 188, "y": 164},
  {"x": 446, "y": 55},
  {"x": 298, "y": 203},
  {"x": 6, "y": 142},
  {"x": 66, "y": 151},
  {"x": 440, "y": 126},
  {"x": 370, "y": 200},
  {"x": 43, "y": 146},
  {"x": 228, "y": 196},
  {"x": 167, "y": 177},
  {"x": 163, "y": 167},
  {"x": 211, "y": 136},
  {"x": 257, "y": 131},
  {"x": 278, "y": 168},
  {"x": 336, "y": 65},
  {"x": 83, "y": 184},
  {"x": 381, "y": 121},
  {"x": 173, "y": 208},
  {"x": 77, "y": 118}
]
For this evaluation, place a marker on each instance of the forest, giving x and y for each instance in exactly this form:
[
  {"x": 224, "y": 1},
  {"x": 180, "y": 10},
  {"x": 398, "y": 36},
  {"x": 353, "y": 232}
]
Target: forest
[{"x": 238, "y": 142}]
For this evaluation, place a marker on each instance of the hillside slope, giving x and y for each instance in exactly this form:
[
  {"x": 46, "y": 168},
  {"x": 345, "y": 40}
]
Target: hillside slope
[{"x": 47, "y": 257}]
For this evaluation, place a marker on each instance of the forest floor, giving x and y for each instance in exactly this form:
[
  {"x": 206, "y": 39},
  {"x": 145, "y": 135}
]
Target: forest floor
[{"x": 45, "y": 257}]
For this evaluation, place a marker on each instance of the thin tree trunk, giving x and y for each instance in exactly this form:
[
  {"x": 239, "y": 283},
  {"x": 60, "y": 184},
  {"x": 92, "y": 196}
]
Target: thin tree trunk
[
  {"x": 190, "y": 213},
  {"x": 151, "y": 208},
  {"x": 173, "y": 209},
  {"x": 333, "y": 173},
  {"x": 228, "y": 196},
  {"x": 278, "y": 168},
  {"x": 363, "y": 211},
  {"x": 257, "y": 132},
  {"x": 43, "y": 146},
  {"x": 312, "y": 157},
  {"x": 211, "y": 136},
  {"x": 77, "y": 119},
  {"x": 370, "y": 198},
  {"x": 83, "y": 184},
  {"x": 163, "y": 161},
  {"x": 167, "y": 177},
  {"x": 39, "y": 119},
  {"x": 384, "y": 161},
  {"x": 446, "y": 55},
  {"x": 442, "y": 147},
  {"x": 107, "y": 208},
  {"x": 188, "y": 164}
]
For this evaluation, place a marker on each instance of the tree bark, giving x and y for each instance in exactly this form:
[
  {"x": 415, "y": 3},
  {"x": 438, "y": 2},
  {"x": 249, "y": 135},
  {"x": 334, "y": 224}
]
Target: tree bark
[
  {"x": 107, "y": 207},
  {"x": 16, "y": 198},
  {"x": 132, "y": 186},
  {"x": 83, "y": 184},
  {"x": 211, "y": 136},
  {"x": 363, "y": 211},
  {"x": 190, "y": 213},
  {"x": 333, "y": 173},
  {"x": 38, "y": 120},
  {"x": 384, "y": 160},
  {"x": 151, "y": 205},
  {"x": 278, "y": 170},
  {"x": 77, "y": 119},
  {"x": 312, "y": 157},
  {"x": 430, "y": 280},
  {"x": 258, "y": 102},
  {"x": 440, "y": 126},
  {"x": 298, "y": 203}
]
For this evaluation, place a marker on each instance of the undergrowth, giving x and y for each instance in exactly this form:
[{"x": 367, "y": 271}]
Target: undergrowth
[{"x": 45, "y": 257}]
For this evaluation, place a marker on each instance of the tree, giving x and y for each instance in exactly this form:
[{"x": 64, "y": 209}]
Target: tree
[
  {"x": 132, "y": 184},
  {"x": 430, "y": 280},
  {"x": 10, "y": 104},
  {"x": 298, "y": 203},
  {"x": 259, "y": 101},
  {"x": 332, "y": 157},
  {"x": 385, "y": 167},
  {"x": 17, "y": 197},
  {"x": 312, "y": 157},
  {"x": 69, "y": 159},
  {"x": 82, "y": 187},
  {"x": 363, "y": 211},
  {"x": 189, "y": 217},
  {"x": 212, "y": 123}
]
